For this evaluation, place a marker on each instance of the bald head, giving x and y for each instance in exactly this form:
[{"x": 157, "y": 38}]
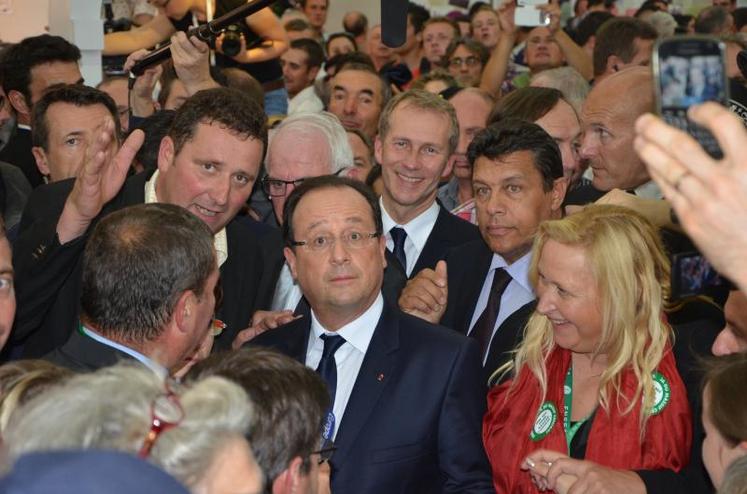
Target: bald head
[{"x": 608, "y": 120}]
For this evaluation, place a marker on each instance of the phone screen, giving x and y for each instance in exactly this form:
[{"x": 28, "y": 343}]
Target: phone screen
[
  {"x": 690, "y": 71},
  {"x": 692, "y": 274}
]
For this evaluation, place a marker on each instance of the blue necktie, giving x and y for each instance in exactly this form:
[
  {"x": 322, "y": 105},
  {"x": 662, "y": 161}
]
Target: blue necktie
[
  {"x": 398, "y": 237},
  {"x": 327, "y": 366}
]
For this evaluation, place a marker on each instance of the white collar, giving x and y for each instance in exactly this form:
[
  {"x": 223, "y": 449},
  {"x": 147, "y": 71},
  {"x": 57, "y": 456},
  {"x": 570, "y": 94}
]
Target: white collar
[
  {"x": 357, "y": 332},
  {"x": 649, "y": 190},
  {"x": 418, "y": 229},
  {"x": 519, "y": 269}
]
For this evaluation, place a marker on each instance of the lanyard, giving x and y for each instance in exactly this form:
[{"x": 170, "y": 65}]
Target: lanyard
[{"x": 570, "y": 430}]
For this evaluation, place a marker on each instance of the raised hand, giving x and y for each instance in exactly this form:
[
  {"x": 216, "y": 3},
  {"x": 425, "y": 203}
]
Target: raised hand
[{"x": 99, "y": 180}]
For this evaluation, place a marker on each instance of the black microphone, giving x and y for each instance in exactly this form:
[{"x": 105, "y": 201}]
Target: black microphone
[
  {"x": 206, "y": 32},
  {"x": 393, "y": 22}
]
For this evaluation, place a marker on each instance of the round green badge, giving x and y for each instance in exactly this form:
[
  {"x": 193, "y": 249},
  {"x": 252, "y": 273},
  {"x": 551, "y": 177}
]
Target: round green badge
[
  {"x": 662, "y": 393},
  {"x": 543, "y": 424}
]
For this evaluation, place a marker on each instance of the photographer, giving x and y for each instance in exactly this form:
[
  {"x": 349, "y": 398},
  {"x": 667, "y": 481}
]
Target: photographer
[{"x": 253, "y": 44}]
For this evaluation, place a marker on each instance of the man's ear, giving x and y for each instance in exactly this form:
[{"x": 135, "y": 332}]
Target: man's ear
[
  {"x": 41, "y": 160},
  {"x": 289, "y": 479},
  {"x": 290, "y": 258},
  {"x": 313, "y": 71},
  {"x": 559, "y": 188},
  {"x": 165, "y": 154},
  {"x": 614, "y": 64},
  {"x": 18, "y": 101},
  {"x": 378, "y": 148},
  {"x": 382, "y": 248},
  {"x": 184, "y": 311}
]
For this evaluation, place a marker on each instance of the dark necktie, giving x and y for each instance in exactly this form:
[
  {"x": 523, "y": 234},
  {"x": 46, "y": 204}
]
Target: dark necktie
[
  {"x": 398, "y": 237},
  {"x": 327, "y": 366},
  {"x": 483, "y": 328}
]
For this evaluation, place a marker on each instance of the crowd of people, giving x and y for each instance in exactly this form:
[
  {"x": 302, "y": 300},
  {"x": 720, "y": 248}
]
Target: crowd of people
[{"x": 299, "y": 261}]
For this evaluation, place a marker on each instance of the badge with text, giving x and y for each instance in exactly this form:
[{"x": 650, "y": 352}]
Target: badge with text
[
  {"x": 545, "y": 421},
  {"x": 662, "y": 393}
]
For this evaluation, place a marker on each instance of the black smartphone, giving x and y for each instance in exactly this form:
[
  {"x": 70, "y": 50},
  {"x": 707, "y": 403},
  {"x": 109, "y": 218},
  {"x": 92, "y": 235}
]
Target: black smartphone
[
  {"x": 692, "y": 274},
  {"x": 689, "y": 70}
]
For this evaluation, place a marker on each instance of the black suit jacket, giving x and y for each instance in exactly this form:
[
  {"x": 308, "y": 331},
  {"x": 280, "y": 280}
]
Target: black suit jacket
[
  {"x": 450, "y": 231},
  {"x": 414, "y": 419},
  {"x": 83, "y": 354},
  {"x": 48, "y": 275},
  {"x": 18, "y": 152},
  {"x": 468, "y": 265}
]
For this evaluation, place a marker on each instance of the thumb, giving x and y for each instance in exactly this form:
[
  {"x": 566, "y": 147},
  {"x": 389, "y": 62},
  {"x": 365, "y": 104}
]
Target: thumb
[{"x": 441, "y": 270}]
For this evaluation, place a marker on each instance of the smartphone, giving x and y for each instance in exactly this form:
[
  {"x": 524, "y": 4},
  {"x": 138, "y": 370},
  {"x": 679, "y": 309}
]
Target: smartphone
[
  {"x": 689, "y": 70},
  {"x": 693, "y": 275},
  {"x": 527, "y": 14}
]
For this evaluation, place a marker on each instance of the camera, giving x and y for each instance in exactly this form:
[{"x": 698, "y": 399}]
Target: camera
[{"x": 232, "y": 40}]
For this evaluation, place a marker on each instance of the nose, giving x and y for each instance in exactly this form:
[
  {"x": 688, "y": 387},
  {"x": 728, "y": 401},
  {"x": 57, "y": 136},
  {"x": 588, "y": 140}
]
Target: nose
[
  {"x": 350, "y": 106},
  {"x": 339, "y": 252},
  {"x": 588, "y": 146},
  {"x": 545, "y": 301},
  {"x": 220, "y": 190},
  {"x": 725, "y": 343}
]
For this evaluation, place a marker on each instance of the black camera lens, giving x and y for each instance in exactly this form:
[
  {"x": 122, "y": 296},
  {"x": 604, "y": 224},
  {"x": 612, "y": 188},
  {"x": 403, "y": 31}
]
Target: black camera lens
[{"x": 232, "y": 40}]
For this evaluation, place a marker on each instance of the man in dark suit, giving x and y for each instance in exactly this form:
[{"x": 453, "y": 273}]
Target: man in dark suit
[
  {"x": 407, "y": 401},
  {"x": 27, "y": 69},
  {"x": 418, "y": 132},
  {"x": 207, "y": 163},
  {"x": 486, "y": 292},
  {"x": 148, "y": 291}
]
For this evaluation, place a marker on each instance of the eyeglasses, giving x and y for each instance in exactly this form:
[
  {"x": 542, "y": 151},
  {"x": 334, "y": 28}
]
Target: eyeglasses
[
  {"x": 166, "y": 412},
  {"x": 351, "y": 239},
  {"x": 325, "y": 454},
  {"x": 274, "y": 187},
  {"x": 469, "y": 62}
]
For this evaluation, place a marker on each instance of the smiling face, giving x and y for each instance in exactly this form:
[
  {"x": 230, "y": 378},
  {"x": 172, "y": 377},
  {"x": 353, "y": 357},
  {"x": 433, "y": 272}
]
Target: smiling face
[
  {"x": 340, "y": 282},
  {"x": 568, "y": 295},
  {"x": 511, "y": 202},
  {"x": 413, "y": 159},
  {"x": 212, "y": 175}
]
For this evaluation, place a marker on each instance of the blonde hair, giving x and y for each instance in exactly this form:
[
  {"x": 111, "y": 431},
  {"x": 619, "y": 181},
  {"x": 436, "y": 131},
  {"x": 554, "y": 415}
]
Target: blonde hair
[{"x": 632, "y": 274}]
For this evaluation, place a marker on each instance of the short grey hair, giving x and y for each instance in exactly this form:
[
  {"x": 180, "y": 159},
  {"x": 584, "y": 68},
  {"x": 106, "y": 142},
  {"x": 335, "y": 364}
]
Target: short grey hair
[
  {"x": 324, "y": 123},
  {"x": 735, "y": 477},
  {"x": 111, "y": 409},
  {"x": 568, "y": 81},
  {"x": 664, "y": 23}
]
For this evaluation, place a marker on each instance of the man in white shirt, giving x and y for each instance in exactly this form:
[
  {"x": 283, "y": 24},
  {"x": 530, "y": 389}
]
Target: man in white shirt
[
  {"x": 407, "y": 401},
  {"x": 301, "y": 64}
]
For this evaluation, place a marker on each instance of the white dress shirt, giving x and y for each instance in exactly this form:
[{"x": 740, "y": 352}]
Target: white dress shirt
[
  {"x": 287, "y": 292},
  {"x": 418, "y": 230},
  {"x": 349, "y": 356},
  {"x": 649, "y": 190},
  {"x": 306, "y": 101},
  {"x": 518, "y": 293}
]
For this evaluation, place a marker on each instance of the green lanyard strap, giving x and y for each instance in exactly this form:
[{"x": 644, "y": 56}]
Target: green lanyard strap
[{"x": 570, "y": 430}]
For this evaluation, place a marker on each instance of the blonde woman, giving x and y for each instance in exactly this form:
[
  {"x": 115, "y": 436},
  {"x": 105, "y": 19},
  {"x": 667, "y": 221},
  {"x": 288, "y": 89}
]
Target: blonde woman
[{"x": 594, "y": 377}]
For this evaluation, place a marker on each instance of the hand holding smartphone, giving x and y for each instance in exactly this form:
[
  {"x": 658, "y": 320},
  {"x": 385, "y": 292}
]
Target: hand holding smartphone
[
  {"x": 690, "y": 70},
  {"x": 527, "y": 13}
]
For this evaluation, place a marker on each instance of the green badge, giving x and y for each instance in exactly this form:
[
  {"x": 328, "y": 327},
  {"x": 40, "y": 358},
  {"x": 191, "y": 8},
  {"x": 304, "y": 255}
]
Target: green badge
[
  {"x": 545, "y": 421},
  {"x": 662, "y": 393}
]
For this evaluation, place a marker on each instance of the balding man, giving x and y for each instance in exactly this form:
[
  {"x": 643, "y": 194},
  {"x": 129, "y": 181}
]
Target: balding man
[{"x": 608, "y": 124}]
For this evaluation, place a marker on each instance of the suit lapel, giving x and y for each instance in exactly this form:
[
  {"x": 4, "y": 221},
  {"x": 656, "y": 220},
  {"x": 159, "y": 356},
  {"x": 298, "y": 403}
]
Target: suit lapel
[
  {"x": 435, "y": 246},
  {"x": 375, "y": 373}
]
